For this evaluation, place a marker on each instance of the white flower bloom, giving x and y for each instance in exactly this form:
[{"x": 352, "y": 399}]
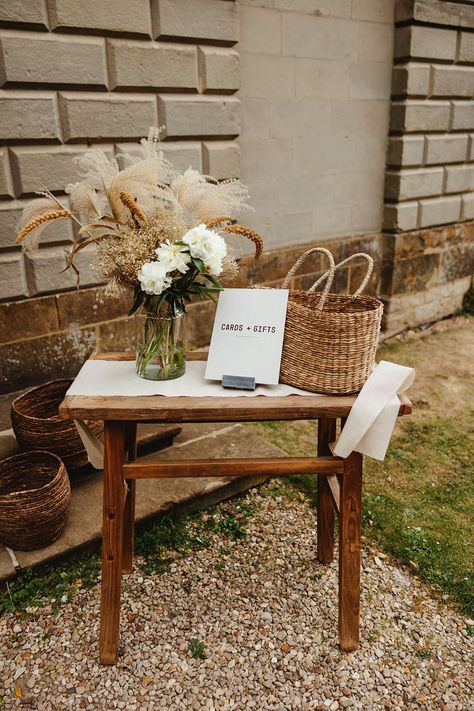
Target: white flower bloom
[
  {"x": 153, "y": 278},
  {"x": 207, "y": 245},
  {"x": 173, "y": 256}
]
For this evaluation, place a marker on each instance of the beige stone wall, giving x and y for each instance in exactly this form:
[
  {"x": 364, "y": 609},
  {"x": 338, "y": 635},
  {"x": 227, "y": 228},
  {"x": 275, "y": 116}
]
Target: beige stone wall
[
  {"x": 315, "y": 98},
  {"x": 75, "y": 74},
  {"x": 430, "y": 176}
]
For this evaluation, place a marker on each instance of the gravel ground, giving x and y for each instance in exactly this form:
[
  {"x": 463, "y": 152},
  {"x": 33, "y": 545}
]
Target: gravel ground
[{"x": 267, "y": 615}]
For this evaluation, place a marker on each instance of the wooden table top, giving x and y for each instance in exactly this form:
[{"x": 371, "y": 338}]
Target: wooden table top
[{"x": 157, "y": 408}]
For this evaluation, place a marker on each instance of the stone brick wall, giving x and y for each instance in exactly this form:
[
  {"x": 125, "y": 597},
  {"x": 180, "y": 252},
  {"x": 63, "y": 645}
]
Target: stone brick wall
[
  {"x": 315, "y": 96},
  {"x": 81, "y": 73},
  {"x": 75, "y": 74},
  {"x": 430, "y": 162}
]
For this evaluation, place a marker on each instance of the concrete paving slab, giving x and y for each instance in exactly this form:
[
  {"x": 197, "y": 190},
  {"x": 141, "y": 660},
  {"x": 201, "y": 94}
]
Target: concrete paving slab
[
  {"x": 7, "y": 569},
  {"x": 156, "y": 496}
]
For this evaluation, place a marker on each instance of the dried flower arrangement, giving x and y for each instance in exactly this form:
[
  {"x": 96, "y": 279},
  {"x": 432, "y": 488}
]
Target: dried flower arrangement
[{"x": 157, "y": 231}]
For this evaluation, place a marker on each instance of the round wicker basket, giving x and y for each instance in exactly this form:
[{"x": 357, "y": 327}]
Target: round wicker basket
[
  {"x": 35, "y": 495},
  {"x": 330, "y": 340},
  {"x": 37, "y": 424}
]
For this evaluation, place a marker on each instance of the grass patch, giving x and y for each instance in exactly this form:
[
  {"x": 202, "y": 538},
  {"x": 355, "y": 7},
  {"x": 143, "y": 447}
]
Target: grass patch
[
  {"x": 418, "y": 503},
  {"x": 157, "y": 545},
  {"x": 197, "y": 649}
]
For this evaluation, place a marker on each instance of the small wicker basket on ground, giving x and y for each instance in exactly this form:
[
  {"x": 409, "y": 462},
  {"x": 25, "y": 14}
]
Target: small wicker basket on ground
[
  {"x": 330, "y": 339},
  {"x": 37, "y": 424},
  {"x": 35, "y": 495}
]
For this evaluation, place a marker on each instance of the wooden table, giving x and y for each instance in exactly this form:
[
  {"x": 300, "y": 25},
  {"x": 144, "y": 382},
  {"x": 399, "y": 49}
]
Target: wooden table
[{"x": 338, "y": 492}]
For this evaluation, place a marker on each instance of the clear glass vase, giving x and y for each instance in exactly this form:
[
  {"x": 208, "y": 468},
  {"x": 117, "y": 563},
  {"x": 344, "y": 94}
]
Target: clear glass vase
[{"x": 160, "y": 350}]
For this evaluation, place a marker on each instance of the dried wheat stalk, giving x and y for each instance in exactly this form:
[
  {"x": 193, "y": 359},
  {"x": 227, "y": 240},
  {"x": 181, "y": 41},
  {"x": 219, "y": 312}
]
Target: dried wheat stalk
[
  {"x": 37, "y": 221},
  {"x": 135, "y": 210}
]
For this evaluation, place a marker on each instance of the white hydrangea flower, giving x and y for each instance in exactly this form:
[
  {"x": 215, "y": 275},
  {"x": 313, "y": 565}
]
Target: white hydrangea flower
[
  {"x": 173, "y": 256},
  {"x": 153, "y": 278},
  {"x": 207, "y": 245}
]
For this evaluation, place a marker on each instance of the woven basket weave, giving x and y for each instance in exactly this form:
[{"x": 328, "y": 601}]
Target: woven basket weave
[
  {"x": 35, "y": 495},
  {"x": 330, "y": 339},
  {"x": 37, "y": 424}
]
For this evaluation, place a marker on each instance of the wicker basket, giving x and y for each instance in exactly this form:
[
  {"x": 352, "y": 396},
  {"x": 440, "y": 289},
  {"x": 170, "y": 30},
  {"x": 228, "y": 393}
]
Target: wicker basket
[
  {"x": 35, "y": 495},
  {"x": 330, "y": 339},
  {"x": 37, "y": 424}
]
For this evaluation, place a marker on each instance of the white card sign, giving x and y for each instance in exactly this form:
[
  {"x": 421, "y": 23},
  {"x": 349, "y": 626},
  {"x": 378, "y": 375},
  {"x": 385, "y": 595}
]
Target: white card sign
[{"x": 247, "y": 336}]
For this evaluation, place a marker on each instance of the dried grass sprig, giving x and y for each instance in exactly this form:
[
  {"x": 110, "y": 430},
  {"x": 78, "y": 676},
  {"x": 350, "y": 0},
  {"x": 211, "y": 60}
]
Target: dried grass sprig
[
  {"x": 37, "y": 221},
  {"x": 249, "y": 234},
  {"x": 214, "y": 221},
  {"x": 135, "y": 210}
]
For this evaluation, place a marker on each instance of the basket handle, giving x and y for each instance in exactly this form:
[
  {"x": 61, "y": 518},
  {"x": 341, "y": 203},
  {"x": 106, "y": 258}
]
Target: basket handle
[{"x": 329, "y": 275}]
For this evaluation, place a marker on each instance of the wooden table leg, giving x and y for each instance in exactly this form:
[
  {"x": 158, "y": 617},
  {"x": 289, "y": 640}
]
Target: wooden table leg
[
  {"x": 112, "y": 540},
  {"x": 349, "y": 552},
  {"x": 326, "y": 434},
  {"x": 129, "y": 508}
]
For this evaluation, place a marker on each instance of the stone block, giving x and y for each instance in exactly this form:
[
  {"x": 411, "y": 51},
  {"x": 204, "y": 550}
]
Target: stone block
[
  {"x": 275, "y": 78},
  {"x": 211, "y": 20},
  {"x": 260, "y": 27},
  {"x": 109, "y": 15},
  {"x": 457, "y": 262},
  {"x": 12, "y": 276},
  {"x": 182, "y": 154},
  {"x": 326, "y": 153},
  {"x": 411, "y": 79},
  {"x": 221, "y": 159},
  {"x": 198, "y": 326},
  {"x": 420, "y": 116},
  {"x": 28, "y": 116},
  {"x": 18, "y": 12},
  {"x": 82, "y": 307},
  {"x": 93, "y": 117},
  {"x": 45, "y": 270},
  {"x": 51, "y": 60},
  {"x": 6, "y": 183},
  {"x": 452, "y": 81},
  {"x": 135, "y": 64},
  {"x": 463, "y": 115},
  {"x": 37, "y": 360},
  {"x": 413, "y": 183},
  {"x": 10, "y": 214},
  {"x": 459, "y": 178},
  {"x": 405, "y": 150},
  {"x": 28, "y": 318},
  {"x": 255, "y": 118},
  {"x": 410, "y": 310},
  {"x": 321, "y": 8},
  {"x": 53, "y": 166},
  {"x": 467, "y": 211},
  {"x": 322, "y": 79},
  {"x": 400, "y": 217},
  {"x": 360, "y": 118},
  {"x": 417, "y": 274},
  {"x": 466, "y": 47},
  {"x": 375, "y": 42},
  {"x": 439, "y": 12},
  {"x": 298, "y": 118},
  {"x": 446, "y": 149},
  {"x": 471, "y": 147},
  {"x": 373, "y": 10},
  {"x": 440, "y": 211},
  {"x": 370, "y": 80},
  {"x": 219, "y": 70},
  {"x": 199, "y": 115},
  {"x": 415, "y": 42},
  {"x": 305, "y": 35}
]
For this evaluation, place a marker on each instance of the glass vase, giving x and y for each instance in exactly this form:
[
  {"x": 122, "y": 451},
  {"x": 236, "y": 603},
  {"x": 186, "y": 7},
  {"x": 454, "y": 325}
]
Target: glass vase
[{"x": 160, "y": 350}]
